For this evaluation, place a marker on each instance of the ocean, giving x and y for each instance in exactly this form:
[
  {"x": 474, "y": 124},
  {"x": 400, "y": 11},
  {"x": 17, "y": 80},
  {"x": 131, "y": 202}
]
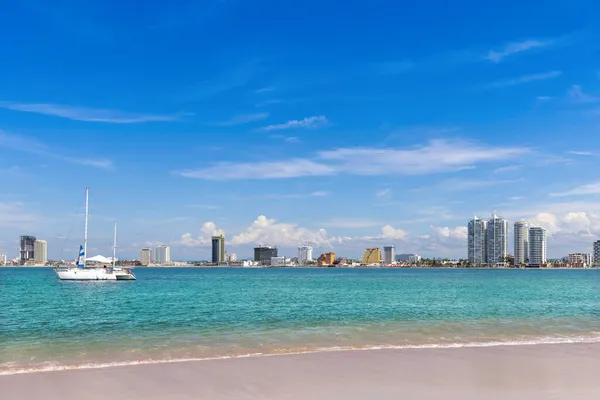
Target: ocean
[{"x": 176, "y": 314}]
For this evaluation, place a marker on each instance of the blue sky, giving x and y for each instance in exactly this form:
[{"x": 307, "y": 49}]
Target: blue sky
[{"x": 341, "y": 126}]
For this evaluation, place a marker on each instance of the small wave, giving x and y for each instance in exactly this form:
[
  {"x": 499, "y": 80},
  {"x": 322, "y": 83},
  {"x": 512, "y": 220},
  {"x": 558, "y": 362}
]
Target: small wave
[{"x": 533, "y": 342}]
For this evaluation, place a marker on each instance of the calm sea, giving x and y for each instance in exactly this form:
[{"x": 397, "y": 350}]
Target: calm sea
[{"x": 172, "y": 314}]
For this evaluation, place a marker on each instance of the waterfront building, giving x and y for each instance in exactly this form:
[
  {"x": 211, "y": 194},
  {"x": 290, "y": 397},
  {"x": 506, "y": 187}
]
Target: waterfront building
[
  {"x": 389, "y": 254},
  {"x": 537, "y": 247},
  {"x": 404, "y": 257},
  {"x": 414, "y": 259},
  {"x": 305, "y": 254},
  {"x": 27, "y": 248},
  {"x": 3, "y": 259},
  {"x": 263, "y": 254},
  {"x": 580, "y": 260},
  {"x": 597, "y": 253},
  {"x": 40, "y": 252},
  {"x": 145, "y": 257},
  {"x": 218, "y": 249},
  {"x": 521, "y": 242},
  {"x": 326, "y": 259},
  {"x": 278, "y": 261},
  {"x": 231, "y": 257},
  {"x": 162, "y": 254},
  {"x": 371, "y": 256},
  {"x": 477, "y": 233},
  {"x": 497, "y": 241}
]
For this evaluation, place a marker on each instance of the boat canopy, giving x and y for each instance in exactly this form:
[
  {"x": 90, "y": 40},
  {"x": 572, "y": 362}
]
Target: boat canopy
[{"x": 100, "y": 259}]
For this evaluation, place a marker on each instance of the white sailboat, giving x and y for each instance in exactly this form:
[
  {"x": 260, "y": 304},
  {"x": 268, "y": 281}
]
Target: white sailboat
[{"x": 81, "y": 272}]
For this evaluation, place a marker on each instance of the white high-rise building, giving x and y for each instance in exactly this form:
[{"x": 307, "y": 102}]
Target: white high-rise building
[
  {"x": 389, "y": 254},
  {"x": 3, "y": 259},
  {"x": 231, "y": 257},
  {"x": 521, "y": 242},
  {"x": 305, "y": 254},
  {"x": 162, "y": 254},
  {"x": 537, "y": 247},
  {"x": 40, "y": 252},
  {"x": 146, "y": 257},
  {"x": 476, "y": 241},
  {"x": 497, "y": 241}
]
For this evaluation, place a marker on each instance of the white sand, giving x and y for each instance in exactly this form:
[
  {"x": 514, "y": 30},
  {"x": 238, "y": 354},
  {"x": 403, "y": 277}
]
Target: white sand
[{"x": 566, "y": 371}]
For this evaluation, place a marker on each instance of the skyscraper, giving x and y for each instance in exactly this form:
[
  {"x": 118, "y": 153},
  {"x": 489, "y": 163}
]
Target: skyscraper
[
  {"x": 305, "y": 254},
  {"x": 162, "y": 254},
  {"x": 597, "y": 253},
  {"x": 521, "y": 242},
  {"x": 218, "y": 249},
  {"x": 40, "y": 252},
  {"x": 476, "y": 241},
  {"x": 497, "y": 241},
  {"x": 389, "y": 254},
  {"x": 537, "y": 247},
  {"x": 27, "y": 246},
  {"x": 263, "y": 254},
  {"x": 3, "y": 259},
  {"x": 145, "y": 257}
]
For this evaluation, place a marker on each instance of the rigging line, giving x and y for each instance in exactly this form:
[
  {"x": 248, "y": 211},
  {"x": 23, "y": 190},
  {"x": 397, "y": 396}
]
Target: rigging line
[{"x": 62, "y": 250}]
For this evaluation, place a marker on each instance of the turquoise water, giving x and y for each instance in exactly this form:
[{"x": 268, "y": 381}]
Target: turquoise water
[{"x": 184, "y": 313}]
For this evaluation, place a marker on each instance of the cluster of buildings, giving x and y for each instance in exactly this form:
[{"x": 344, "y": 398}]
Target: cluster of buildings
[
  {"x": 32, "y": 251},
  {"x": 488, "y": 245}
]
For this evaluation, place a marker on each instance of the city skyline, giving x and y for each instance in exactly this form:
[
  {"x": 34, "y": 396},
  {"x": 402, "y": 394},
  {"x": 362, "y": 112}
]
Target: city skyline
[{"x": 348, "y": 136}]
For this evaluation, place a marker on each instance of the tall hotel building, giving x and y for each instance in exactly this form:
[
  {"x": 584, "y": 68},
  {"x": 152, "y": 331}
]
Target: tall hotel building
[
  {"x": 146, "y": 257},
  {"x": 389, "y": 254},
  {"x": 521, "y": 242},
  {"x": 477, "y": 241},
  {"x": 497, "y": 241},
  {"x": 218, "y": 249},
  {"x": 305, "y": 254},
  {"x": 40, "y": 252},
  {"x": 537, "y": 247},
  {"x": 162, "y": 254}
]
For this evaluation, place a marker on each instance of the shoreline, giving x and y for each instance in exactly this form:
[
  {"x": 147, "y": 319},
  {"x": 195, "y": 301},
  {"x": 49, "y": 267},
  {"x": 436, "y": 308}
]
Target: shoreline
[{"x": 526, "y": 371}]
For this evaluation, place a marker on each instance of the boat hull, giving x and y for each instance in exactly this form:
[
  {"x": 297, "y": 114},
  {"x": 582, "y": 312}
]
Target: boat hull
[{"x": 93, "y": 274}]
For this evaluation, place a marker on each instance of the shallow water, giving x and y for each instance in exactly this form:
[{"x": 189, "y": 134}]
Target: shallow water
[{"x": 184, "y": 313}]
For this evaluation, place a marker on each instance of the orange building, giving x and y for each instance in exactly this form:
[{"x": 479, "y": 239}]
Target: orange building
[{"x": 326, "y": 259}]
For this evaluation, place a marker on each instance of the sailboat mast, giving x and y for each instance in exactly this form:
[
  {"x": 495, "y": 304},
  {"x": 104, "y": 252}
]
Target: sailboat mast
[
  {"x": 114, "y": 245},
  {"x": 85, "y": 233}
]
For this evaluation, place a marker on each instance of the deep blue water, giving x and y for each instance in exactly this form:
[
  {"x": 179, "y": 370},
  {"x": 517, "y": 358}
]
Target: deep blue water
[{"x": 175, "y": 313}]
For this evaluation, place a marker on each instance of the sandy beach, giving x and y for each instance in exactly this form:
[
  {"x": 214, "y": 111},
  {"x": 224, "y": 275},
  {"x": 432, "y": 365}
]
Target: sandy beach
[{"x": 565, "y": 371}]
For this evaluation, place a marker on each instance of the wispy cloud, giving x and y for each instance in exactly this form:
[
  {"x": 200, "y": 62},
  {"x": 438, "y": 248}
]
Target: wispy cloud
[
  {"x": 577, "y": 95},
  {"x": 544, "y": 98},
  {"x": 592, "y": 188},
  {"x": 244, "y": 119},
  {"x": 202, "y": 206},
  {"x": 383, "y": 193},
  {"x": 265, "y": 89},
  {"x": 307, "y": 123},
  {"x": 351, "y": 223},
  {"x": 580, "y": 153},
  {"x": 514, "y": 48},
  {"x": 466, "y": 184},
  {"x": 32, "y": 146},
  {"x": 507, "y": 168},
  {"x": 524, "y": 79},
  {"x": 437, "y": 156},
  {"x": 393, "y": 67},
  {"x": 318, "y": 193},
  {"x": 287, "y": 139},
  {"x": 89, "y": 114}
]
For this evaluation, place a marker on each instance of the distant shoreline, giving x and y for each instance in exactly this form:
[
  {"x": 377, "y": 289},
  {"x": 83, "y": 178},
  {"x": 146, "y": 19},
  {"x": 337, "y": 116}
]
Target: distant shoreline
[{"x": 312, "y": 267}]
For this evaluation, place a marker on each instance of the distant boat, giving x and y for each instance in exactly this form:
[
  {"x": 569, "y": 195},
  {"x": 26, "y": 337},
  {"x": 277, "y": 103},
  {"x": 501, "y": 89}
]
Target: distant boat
[{"x": 81, "y": 272}]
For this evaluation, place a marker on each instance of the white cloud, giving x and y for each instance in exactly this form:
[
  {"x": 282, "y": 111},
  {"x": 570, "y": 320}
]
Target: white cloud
[
  {"x": 308, "y": 123},
  {"x": 88, "y": 114},
  {"x": 581, "y": 153},
  {"x": 287, "y": 139},
  {"x": 438, "y": 156},
  {"x": 351, "y": 223},
  {"x": 514, "y": 48},
  {"x": 507, "y": 168},
  {"x": 524, "y": 79},
  {"x": 577, "y": 95},
  {"x": 465, "y": 184},
  {"x": 32, "y": 146},
  {"x": 243, "y": 119},
  {"x": 208, "y": 230},
  {"x": 544, "y": 98},
  {"x": 317, "y": 193},
  {"x": 17, "y": 215},
  {"x": 592, "y": 188},
  {"x": 292, "y": 168},
  {"x": 265, "y": 89},
  {"x": 269, "y": 231},
  {"x": 383, "y": 193}
]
